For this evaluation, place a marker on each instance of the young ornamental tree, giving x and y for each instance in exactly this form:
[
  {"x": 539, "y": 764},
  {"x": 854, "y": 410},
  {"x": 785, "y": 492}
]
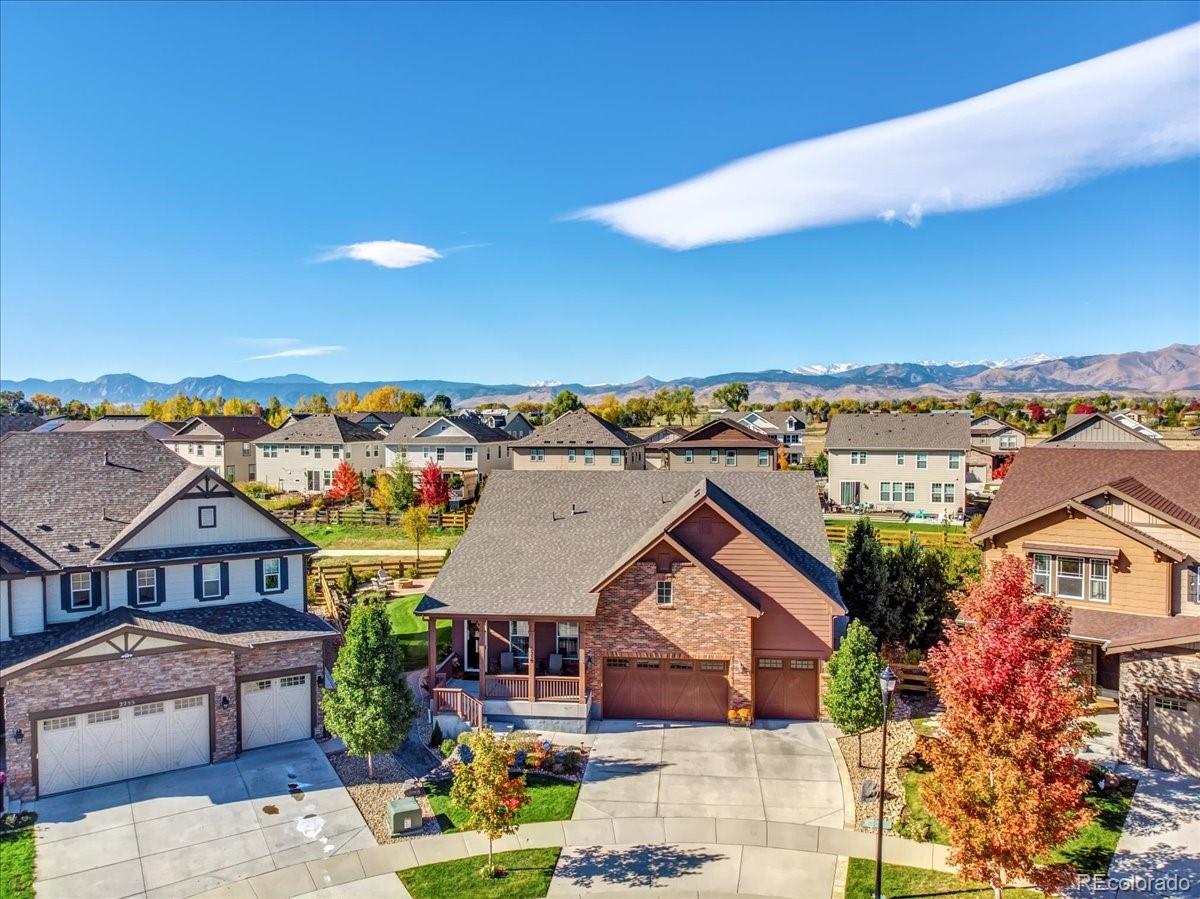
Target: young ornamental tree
[
  {"x": 347, "y": 485},
  {"x": 852, "y": 696},
  {"x": 372, "y": 707},
  {"x": 1006, "y": 783},
  {"x": 402, "y": 483},
  {"x": 415, "y": 523},
  {"x": 434, "y": 490},
  {"x": 484, "y": 789},
  {"x": 383, "y": 497}
]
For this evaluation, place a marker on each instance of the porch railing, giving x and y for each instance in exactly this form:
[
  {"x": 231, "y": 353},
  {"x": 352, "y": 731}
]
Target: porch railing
[
  {"x": 507, "y": 686},
  {"x": 458, "y": 702},
  {"x": 553, "y": 687},
  {"x": 516, "y": 686}
]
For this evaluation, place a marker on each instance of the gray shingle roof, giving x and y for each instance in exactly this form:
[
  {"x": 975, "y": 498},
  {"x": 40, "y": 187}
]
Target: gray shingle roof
[
  {"x": 779, "y": 419},
  {"x": 19, "y": 421},
  {"x": 479, "y": 429},
  {"x": 527, "y": 552},
  {"x": 229, "y": 427},
  {"x": 579, "y": 428},
  {"x": 324, "y": 428},
  {"x": 911, "y": 431}
]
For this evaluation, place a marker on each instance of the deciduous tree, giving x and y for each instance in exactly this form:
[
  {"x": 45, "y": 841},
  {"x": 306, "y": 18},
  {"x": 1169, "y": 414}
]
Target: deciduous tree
[
  {"x": 383, "y": 497},
  {"x": 731, "y": 395},
  {"x": 434, "y": 490},
  {"x": 564, "y": 401},
  {"x": 487, "y": 792},
  {"x": 415, "y": 522},
  {"x": 1006, "y": 783},
  {"x": 402, "y": 484},
  {"x": 345, "y": 400},
  {"x": 347, "y": 485},
  {"x": 852, "y": 698},
  {"x": 372, "y": 708}
]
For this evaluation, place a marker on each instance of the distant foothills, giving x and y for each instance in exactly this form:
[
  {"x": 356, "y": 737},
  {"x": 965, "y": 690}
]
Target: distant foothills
[{"x": 1171, "y": 370}]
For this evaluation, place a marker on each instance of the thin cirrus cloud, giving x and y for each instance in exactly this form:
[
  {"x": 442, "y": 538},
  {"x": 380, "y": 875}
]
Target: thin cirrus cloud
[
  {"x": 284, "y": 348},
  {"x": 384, "y": 253},
  {"x": 1137, "y": 106}
]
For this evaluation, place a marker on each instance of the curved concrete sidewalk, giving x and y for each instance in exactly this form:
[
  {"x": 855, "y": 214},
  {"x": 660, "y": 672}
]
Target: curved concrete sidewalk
[{"x": 672, "y": 851}]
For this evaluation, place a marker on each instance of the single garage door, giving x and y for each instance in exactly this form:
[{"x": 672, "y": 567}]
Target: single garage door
[
  {"x": 75, "y": 751},
  {"x": 785, "y": 688},
  {"x": 1175, "y": 735},
  {"x": 276, "y": 710},
  {"x": 675, "y": 689}
]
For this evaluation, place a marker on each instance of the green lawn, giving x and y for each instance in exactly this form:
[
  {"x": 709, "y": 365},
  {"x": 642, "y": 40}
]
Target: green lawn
[
  {"x": 916, "y": 807},
  {"x": 528, "y": 877},
  {"x": 550, "y": 799},
  {"x": 412, "y": 633},
  {"x": 898, "y": 525},
  {"x": 902, "y": 882},
  {"x": 16, "y": 857},
  {"x": 369, "y": 536}
]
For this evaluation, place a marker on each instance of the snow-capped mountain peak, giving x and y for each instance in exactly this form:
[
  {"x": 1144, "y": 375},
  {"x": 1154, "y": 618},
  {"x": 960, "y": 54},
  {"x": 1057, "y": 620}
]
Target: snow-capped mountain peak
[{"x": 834, "y": 368}]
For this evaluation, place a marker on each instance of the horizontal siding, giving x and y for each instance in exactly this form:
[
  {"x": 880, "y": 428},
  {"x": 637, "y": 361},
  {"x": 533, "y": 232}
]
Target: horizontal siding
[
  {"x": 558, "y": 459},
  {"x": 881, "y": 465},
  {"x": 179, "y": 525}
]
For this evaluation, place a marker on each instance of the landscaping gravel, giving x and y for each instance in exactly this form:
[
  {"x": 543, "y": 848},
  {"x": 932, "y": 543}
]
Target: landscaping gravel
[
  {"x": 392, "y": 781},
  {"x": 902, "y": 737}
]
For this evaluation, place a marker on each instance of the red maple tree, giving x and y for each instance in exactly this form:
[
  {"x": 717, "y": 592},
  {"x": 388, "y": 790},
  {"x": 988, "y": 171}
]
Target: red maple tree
[
  {"x": 1083, "y": 409},
  {"x": 347, "y": 485},
  {"x": 1037, "y": 412},
  {"x": 1006, "y": 783},
  {"x": 1000, "y": 472},
  {"x": 433, "y": 489}
]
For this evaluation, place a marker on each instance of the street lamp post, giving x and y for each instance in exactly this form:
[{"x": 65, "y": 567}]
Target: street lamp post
[{"x": 887, "y": 686}]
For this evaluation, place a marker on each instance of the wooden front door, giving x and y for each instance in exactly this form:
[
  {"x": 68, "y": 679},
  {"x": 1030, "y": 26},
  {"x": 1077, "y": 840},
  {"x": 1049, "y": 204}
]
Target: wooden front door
[
  {"x": 673, "y": 689},
  {"x": 785, "y": 688}
]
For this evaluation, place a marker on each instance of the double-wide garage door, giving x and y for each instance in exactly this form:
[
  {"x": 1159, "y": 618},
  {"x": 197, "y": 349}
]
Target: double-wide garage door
[
  {"x": 1175, "y": 735},
  {"x": 116, "y": 743},
  {"x": 785, "y": 688},
  {"x": 276, "y": 710},
  {"x": 676, "y": 689}
]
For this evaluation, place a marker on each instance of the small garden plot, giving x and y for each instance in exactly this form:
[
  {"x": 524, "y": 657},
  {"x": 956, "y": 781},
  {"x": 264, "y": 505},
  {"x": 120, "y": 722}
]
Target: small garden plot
[{"x": 527, "y": 874}]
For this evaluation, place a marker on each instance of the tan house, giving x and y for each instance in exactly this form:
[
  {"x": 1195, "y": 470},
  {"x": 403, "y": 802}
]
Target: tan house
[
  {"x": 1099, "y": 430},
  {"x": 579, "y": 441},
  {"x": 990, "y": 433},
  {"x": 224, "y": 443},
  {"x": 1115, "y": 534},
  {"x": 723, "y": 444},
  {"x": 463, "y": 445},
  {"x": 303, "y": 455},
  {"x": 656, "y": 444},
  {"x": 913, "y": 463}
]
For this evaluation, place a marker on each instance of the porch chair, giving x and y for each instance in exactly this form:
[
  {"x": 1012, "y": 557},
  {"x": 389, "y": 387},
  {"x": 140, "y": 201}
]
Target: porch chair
[
  {"x": 507, "y": 665},
  {"x": 554, "y": 667}
]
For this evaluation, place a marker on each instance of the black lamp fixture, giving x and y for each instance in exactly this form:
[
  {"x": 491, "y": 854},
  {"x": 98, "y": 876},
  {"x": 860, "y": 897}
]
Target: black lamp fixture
[
  {"x": 887, "y": 686},
  {"x": 18, "y": 735},
  {"x": 224, "y": 702}
]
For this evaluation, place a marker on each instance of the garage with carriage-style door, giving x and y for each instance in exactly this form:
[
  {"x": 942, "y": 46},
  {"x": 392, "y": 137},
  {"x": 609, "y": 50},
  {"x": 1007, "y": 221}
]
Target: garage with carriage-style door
[
  {"x": 1175, "y": 735},
  {"x": 785, "y": 688},
  {"x": 674, "y": 689},
  {"x": 105, "y": 744},
  {"x": 276, "y": 709}
]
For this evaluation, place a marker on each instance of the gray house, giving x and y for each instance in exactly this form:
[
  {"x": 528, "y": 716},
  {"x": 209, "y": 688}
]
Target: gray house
[{"x": 303, "y": 455}]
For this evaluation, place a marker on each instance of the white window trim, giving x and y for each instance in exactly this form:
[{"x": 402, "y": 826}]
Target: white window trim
[
  {"x": 658, "y": 594},
  {"x": 204, "y": 580},
  {"x": 139, "y": 586},
  {"x": 278, "y": 574},
  {"x": 85, "y": 590}
]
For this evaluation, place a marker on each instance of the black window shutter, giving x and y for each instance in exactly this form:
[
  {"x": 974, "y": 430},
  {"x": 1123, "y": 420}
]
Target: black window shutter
[
  {"x": 160, "y": 586},
  {"x": 131, "y": 587},
  {"x": 65, "y": 585},
  {"x": 224, "y": 579},
  {"x": 258, "y": 575},
  {"x": 198, "y": 581},
  {"x": 283, "y": 573},
  {"x": 97, "y": 585}
]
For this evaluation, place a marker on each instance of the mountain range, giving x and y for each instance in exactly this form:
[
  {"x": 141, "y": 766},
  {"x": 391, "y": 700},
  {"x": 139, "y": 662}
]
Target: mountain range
[{"x": 1172, "y": 369}]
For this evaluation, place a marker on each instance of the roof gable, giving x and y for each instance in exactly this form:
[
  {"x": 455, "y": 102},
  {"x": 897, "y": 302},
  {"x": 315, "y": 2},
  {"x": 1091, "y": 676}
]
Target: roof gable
[
  {"x": 579, "y": 428},
  {"x": 725, "y": 431}
]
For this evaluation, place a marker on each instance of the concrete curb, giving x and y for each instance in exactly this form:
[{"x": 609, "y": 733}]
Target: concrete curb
[{"x": 849, "y": 818}]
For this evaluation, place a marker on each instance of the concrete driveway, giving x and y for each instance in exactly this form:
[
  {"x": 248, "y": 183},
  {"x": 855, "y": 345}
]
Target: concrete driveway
[
  {"x": 774, "y": 771},
  {"x": 185, "y": 832}
]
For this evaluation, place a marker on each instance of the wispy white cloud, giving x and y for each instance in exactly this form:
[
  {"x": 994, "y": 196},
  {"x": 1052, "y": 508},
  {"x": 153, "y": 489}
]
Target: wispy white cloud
[
  {"x": 384, "y": 253},
  {"x": 299, "y": 351},
  {"x": 1134, "y": 107}
]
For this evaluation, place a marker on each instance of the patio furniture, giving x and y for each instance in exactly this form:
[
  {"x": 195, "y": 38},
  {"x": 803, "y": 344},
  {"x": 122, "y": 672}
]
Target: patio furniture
[
  {"x": 556, "y": 664},
  {"x": 506, "y": 663}
]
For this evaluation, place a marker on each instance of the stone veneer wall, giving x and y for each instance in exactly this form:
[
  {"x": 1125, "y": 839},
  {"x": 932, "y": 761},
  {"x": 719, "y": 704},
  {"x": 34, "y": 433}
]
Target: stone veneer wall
[
  {"x": 704, "y": 623},
  {"x": 1173, "y": 671}
]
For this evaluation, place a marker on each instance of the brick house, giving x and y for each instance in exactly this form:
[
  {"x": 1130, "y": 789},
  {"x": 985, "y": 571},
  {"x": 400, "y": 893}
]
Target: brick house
[
  {"x": 657, "y": 594},
  {"x": 1115, "y": 534},
  {"x": 151, "y": 616}
]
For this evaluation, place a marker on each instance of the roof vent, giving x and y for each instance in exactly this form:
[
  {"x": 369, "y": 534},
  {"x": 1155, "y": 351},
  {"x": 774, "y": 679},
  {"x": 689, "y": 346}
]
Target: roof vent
[
  {"x": 576, "y": 511},
  {"x": 70, "y": 547},
  {"x": 44, "y": 527}
]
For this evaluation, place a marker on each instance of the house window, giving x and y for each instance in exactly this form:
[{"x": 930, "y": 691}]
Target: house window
[
  {"x": 271, "y": 575},
  {"x": 568, "y": 639},
  {"x": 468, "y": 454},
  {"x": 910, "y": 492},
  {"x": 614, "y": 457},
  {"x": 518, "y": 638},
  {"x": 441, "y": 454},
  {"x": 858, "y": 458},
  {"x": 664, "y": 595},
  {"x": 253, "y": 472},
  {"x": 1008, "y": 441},
  {"x": 208, "y": 516},
  {"x": 1098, "y": 580},
  {"x": 731, "y": 457},
  {"x": 713, "y": 666},
  {"x": 1069, "y": 583},
  {"x": 922, "y": 460},
  {"x": 210, "y": 580},
  {"x": 608, "y": 663},
  {"x": 885, "y": 491},
  {"x": 1192, "y": 585},
  {"x": 270, "y": 451},
  {"x": 218, "y": 449},
  {"x": 764, "y": 458},
  {"x": 689, "y": 456},
  {"x": 230, "y": 472},
  {"x": 935, "y": 493},
  {"x": 571, "y": 454},
  {"x": 336, "y": 452},
  {"x": 316, "y": 452},
  {"x": 81, "y": 590},
  {"x": 537, "y": 455},
  {"x": 305, "y": 450},
  {"x": 191, "y": 449},
  {"x": 347, "y": 452},
  {"x": 247, "y": 449},
  {"x": 770, "y": 663},
  {"x": 1041, "y": 574},
  {"x": 948, "y": 493},
  {"x": 955, "y": 460},
  {"x": 714, "y": 457},
  {"x": 589, "y": 457},
  {"x": 899, "y": 458},
  {"x": 327, "y": 479},
  {"x": 803, "y": 664},
  {"x": 147, "y": 586}
]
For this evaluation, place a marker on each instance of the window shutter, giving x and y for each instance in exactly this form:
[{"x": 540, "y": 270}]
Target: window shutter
[
  {"x": 198, "y": 581},
  {"x": 65, "y": 590},
  {"x": 97, "y": 586},
  {"x": 224, "y": 579},
  {"x": 283, "y": 573},
  {"x": 160, "y": 586},
  {"x": 258, "y": 575},
  {"x": 131, "y": 587}
]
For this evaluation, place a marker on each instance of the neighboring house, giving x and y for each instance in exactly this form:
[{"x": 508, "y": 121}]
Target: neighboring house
[
  {"x": 657, "y": 594},
  {"x": 1137, "y": 421},
  {"x": 514, "y": 423},
  {"x": 990, "y": 433},
  {"x": 656, "y": 444},
  {"x": 721, "y": 444},
  {"x": 1115, "y": 534},
  {"x": 578, "y": 441},
  {"x": 12, "y": 422},
  {"x": 151, "y": 616},
  {"x": 905, "y": 462},
  {"x": 463, "y": 444},
  {"x": 159, "y": 430},
  {"x": 383, "y": 422},
  {"x": 303, "y": 455},
  {"x": 787, "y": 428},
  {"x": 222, "y": 442},
  {"x": 1099, "y": 430}
]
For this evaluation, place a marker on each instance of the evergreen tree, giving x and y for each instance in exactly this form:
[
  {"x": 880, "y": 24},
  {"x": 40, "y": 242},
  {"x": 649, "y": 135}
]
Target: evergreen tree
[
  {"x": 402, "y": 484},
  {"x": 917, "y": 600},
  {"x": 372, "y": 708},
  {"x": 864, "y": 576},
  {"x": 852, "y": 697}
]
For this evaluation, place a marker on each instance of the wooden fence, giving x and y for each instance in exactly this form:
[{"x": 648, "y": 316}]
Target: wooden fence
[
  {"x": 399, "y": 568},
  {"x": 912, "y": 678},
  {"x": 838, "y": 533},
  {"x": 369, "y": 517}
]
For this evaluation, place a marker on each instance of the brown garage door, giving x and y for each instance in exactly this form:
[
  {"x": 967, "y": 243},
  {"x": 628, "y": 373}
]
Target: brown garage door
[
  {"x": 786, "y": 688},
  {"x": 675, "y": 689}
]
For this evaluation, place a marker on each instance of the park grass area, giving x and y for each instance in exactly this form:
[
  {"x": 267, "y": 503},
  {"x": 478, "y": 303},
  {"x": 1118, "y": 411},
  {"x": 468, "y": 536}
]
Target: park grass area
[
  {"x": 17, "y": 855},
  {"x": 528, "y": 873},
  {"x": 412, "y": 633},
  {"x": 913, "y": 883},
  {"x": 373, "y": 536},
  {"x": 550, "y": 799}
]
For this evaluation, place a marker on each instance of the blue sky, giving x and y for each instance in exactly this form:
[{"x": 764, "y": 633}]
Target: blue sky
[{"x": 170, "y": 176}]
